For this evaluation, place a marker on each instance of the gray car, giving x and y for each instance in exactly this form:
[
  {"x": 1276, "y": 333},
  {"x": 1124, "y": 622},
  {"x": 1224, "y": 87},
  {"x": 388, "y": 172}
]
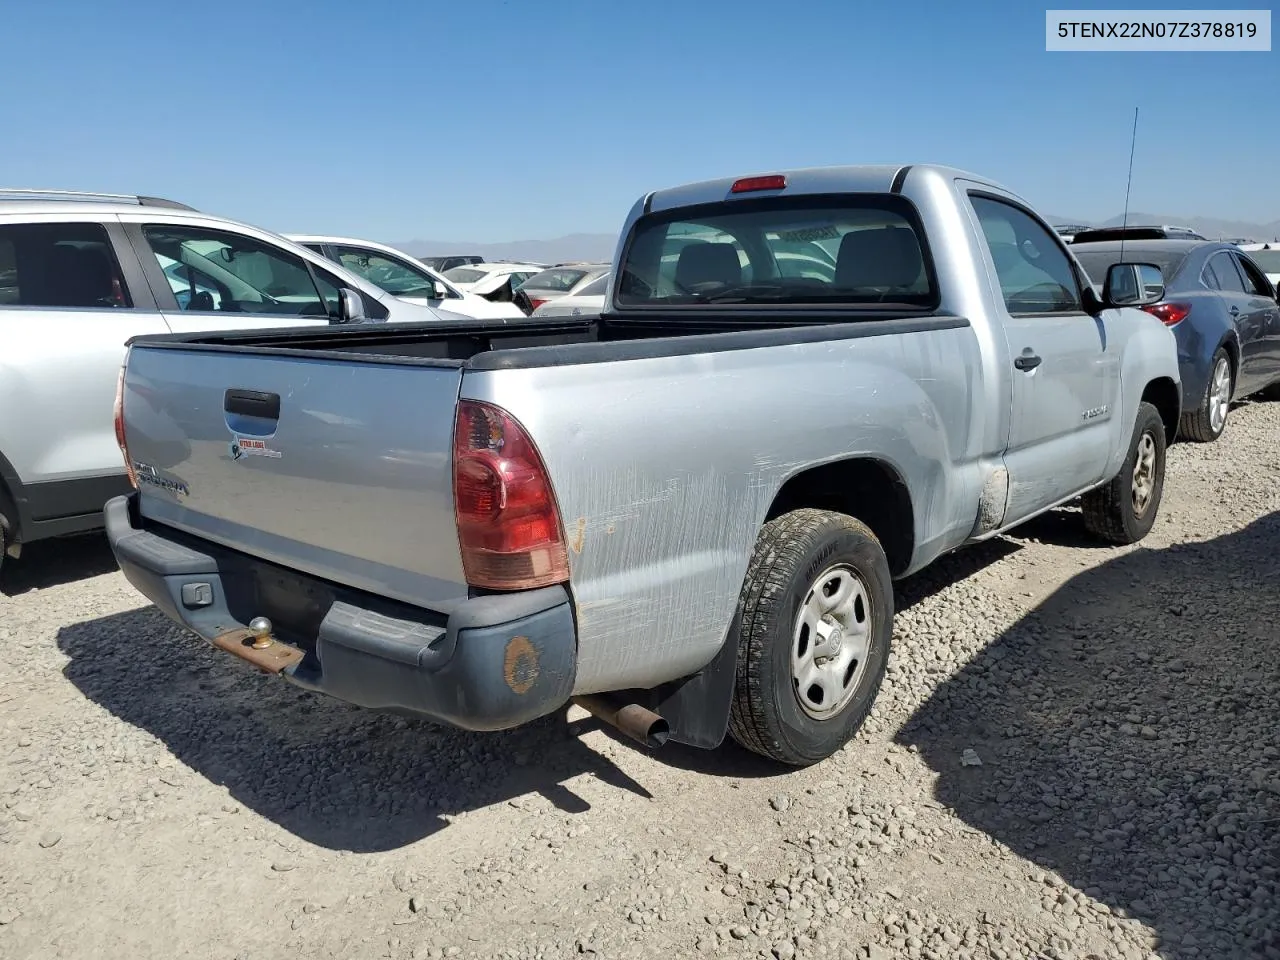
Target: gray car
[
  {"x": 686, "y": 514},
  {"x": 1224, "y": 313}
]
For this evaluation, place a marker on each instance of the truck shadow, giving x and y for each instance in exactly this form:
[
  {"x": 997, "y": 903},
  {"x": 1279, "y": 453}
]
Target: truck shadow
[
  {"x": 52, "y": 563},
  {"x": 1127, "y": 737},
  {"x": 334, "y": 775}
]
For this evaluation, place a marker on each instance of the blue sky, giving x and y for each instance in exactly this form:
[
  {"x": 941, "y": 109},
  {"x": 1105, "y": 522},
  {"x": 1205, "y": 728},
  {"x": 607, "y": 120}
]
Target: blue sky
[{"x": 487, "y": 120}]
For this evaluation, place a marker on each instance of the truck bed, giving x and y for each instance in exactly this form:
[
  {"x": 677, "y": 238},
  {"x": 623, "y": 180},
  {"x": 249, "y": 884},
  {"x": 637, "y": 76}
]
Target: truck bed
[{"x": 557, "y": 341}]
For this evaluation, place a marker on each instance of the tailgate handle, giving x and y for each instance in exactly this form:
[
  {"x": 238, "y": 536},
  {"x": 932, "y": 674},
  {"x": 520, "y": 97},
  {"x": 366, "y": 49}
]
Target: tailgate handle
[{"x": 252, "y": 403}]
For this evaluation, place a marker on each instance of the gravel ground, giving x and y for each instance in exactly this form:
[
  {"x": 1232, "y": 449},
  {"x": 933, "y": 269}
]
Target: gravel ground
[{"x": 1075, "y": 756}]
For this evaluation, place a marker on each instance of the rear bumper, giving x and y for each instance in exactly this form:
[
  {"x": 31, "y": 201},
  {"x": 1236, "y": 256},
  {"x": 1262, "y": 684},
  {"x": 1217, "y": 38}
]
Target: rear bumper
[{"x": 494, "y": 663}]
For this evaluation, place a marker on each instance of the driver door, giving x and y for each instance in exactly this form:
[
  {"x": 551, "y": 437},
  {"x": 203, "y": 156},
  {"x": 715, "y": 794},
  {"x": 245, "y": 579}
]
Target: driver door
[{"x": 1064, "y": 366}]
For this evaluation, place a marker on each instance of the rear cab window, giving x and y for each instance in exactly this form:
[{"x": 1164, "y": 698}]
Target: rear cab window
[{"x": 847, "y": 250}]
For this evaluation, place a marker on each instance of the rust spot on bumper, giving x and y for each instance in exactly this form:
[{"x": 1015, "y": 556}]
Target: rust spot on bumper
[
  {"x": 272, "y": 658},
  {"x": 520, "y": 665}
]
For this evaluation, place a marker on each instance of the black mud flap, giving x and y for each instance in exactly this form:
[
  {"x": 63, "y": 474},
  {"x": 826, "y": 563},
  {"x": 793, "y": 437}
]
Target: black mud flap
[{"x": 697, "y": 707}]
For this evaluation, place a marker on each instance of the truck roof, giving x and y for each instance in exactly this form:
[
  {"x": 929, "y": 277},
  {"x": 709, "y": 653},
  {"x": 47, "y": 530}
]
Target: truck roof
[{"x": 856, "y": 178}]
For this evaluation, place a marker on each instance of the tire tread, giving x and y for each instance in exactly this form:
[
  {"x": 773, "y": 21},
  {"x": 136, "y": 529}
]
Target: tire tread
[{"x": 779, "y": 550}]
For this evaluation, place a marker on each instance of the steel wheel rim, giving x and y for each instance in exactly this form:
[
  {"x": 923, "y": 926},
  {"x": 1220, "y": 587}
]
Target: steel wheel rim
[
  {"x": 1144, "y": 473},
  {"x": 831, "y": 642},
  {"x": 1219, "y": 394}
]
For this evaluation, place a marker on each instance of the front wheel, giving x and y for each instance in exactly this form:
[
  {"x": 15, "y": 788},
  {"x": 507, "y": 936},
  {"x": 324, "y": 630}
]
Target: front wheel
[
  {"x": 816, "y": 615},
  {"x": 1124, "y": 510}
]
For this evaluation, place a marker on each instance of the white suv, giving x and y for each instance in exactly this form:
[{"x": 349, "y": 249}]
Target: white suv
[{"x": 82, "y": 273}]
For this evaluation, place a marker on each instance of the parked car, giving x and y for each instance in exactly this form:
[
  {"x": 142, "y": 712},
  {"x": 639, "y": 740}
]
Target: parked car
[
  {"x": 488, "y": 279},
  {"x": 1158, "y": 232},
  {"x": 1267, "y": 257},
  {"x": 82, "y": 273},
  {"x": 554, "y": 282},
  {"x": 441, "y": 264},
  {"x": 1223, "y": 312},
  {"x": 686, "y": 515},
  {"x": 588, "y": 300},
  {"x": 1067, "y": 231},
  {"x": 404, "y": 277}
]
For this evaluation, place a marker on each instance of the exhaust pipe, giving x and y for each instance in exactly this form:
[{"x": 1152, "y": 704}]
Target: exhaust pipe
[{"x": 639, "y": 723}]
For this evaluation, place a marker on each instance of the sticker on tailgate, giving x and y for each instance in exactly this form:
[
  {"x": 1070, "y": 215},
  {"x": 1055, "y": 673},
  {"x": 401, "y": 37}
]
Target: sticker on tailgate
[{"x": 249, "y": 447}]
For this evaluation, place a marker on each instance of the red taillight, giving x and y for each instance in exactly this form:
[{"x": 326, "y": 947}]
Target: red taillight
[
  {"x": 508, "y": 521},
  {"x": 1170, "y": 314},
  {"x": 747, "y": 184},
  {"x": 120, "y": 440},
  {"x": 534, "y": 303}
]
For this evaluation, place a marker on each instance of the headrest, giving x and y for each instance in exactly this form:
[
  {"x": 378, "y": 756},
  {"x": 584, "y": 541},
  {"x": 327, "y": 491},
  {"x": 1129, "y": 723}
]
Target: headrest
[
  {"x": 883, "y": 257},
  {"x": 702, "y": 262}
]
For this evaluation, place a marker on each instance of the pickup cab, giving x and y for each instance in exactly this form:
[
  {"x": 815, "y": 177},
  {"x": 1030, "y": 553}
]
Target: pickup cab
[{"x": 685, "y": 514}]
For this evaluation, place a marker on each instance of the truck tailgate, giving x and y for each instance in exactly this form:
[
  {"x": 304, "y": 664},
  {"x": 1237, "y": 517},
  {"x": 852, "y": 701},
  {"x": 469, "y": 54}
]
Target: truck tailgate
[{"x": 339, "y": 468}]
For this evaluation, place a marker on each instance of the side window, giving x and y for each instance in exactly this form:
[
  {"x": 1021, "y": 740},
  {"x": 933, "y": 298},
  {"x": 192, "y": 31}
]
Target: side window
[
  {"x": 1224, "y": 270},
  {"x": 392, "y": 275},
  {"x": 60, "y": 265},
  {"x": 1209, "y": 277},
  {"x": 1035, "y": 275},
  {"x": 1254, "y": 279},
  {"x": 10, "y": 292},
  {"x": 215, "y": 270}
]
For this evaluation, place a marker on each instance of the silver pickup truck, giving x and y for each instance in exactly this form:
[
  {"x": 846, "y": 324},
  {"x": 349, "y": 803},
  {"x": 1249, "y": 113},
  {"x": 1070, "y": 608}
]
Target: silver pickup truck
[{"x": 685, "y": 514}]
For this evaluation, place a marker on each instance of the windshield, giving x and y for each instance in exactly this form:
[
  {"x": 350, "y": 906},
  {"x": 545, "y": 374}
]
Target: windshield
[
  {"x": 861, "y": 250},
  {"x": 1096, "y": 263},
  {"x": 1268, "y": 260},
  {"x": 392, "y": 274},
  {"x": 465, "y": 275},
  {"x": 560, "y": 279}
]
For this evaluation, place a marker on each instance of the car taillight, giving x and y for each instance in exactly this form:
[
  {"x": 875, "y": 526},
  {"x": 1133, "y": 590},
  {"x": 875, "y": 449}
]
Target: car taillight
[
  {"x": 535, "y": 303},
  {"x": 508, "y": 520},
  {"x": 120, "y": 439},
  {"x": 1170, "y": 314}
]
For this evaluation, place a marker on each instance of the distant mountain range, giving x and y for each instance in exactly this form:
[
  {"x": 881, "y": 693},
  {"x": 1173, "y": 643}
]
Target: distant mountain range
[
  {"x": 1210, "y": 227},
  {"x": 600, "y": 246}
]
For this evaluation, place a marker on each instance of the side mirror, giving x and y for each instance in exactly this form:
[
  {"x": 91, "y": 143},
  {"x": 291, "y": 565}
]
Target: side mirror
[
  {"x": 350, "y": 306},
  {"x": 439, "y": 291},
  {"x": 1133, "y": 285}
]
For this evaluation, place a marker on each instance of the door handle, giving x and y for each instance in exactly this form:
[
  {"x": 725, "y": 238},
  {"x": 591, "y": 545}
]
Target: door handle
[
  {"x": 1028, "y": 361},
  {"x": 252, "y": 403}
]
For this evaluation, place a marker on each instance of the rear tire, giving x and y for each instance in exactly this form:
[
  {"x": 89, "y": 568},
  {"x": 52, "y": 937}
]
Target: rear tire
[
  {"x": 1210, "y": 418},
  {"x": 1124, "y": 510},
  {"x": 816, "y": 614}
]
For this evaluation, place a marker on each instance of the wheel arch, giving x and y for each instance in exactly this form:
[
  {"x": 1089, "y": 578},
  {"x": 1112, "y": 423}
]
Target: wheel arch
[
  {"x": 12, "y": 503},
  {"x": 865, "y": 487},
  {"x": 1163, "y": 394}
]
